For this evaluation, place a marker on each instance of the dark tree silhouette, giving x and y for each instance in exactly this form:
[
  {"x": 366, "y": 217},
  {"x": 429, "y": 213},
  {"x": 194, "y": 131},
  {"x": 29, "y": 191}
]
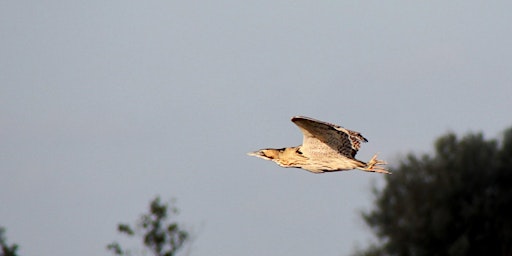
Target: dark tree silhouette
[
  {"x": 457, "y": 201},
  {"x": 160, "y": 236},
  {"x": 7, "y": 250}
]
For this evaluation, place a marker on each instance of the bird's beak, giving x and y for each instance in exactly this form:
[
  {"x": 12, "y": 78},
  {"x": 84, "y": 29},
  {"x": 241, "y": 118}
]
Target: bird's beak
[
  {"x": 255, "y": 153},
  {"x": 259, "y": 154}
]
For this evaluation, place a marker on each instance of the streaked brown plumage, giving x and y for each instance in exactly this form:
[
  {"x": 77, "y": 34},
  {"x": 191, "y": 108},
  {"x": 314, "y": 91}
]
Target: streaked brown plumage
[{"x": 325, "y": 148}]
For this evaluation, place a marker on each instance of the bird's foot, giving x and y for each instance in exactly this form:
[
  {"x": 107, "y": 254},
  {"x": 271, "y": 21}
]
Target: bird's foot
[{"x": 375, "y": 165}]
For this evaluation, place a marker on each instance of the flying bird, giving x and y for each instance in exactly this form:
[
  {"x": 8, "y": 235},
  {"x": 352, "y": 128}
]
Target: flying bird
[{"x": 325, "y": 148}]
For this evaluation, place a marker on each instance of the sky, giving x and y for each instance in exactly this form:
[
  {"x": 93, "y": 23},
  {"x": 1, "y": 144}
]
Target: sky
[{"x": 106, "y": 104}]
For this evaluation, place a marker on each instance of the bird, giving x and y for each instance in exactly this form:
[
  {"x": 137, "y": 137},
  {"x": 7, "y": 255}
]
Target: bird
[{"x": 325, "y": 147}]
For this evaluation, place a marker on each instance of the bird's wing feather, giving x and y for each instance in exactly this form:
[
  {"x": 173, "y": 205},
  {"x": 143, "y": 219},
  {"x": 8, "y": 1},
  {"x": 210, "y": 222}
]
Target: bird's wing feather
[{"x": 322, "y": 137}]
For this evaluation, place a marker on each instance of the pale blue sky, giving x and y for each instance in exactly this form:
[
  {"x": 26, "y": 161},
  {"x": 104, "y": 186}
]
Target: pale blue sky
[{"x": 105, "y": 104}]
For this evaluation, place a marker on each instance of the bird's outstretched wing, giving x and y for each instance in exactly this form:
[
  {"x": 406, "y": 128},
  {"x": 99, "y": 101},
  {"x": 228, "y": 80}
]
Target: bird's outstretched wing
[{"x": 326, "y": 138}]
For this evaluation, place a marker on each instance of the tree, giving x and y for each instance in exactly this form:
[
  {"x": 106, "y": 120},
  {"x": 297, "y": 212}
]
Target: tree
[
  {"x": 457, "y": 201},
  {"x": 7, "y": 250},
  {"x": 161, "y": 237}
]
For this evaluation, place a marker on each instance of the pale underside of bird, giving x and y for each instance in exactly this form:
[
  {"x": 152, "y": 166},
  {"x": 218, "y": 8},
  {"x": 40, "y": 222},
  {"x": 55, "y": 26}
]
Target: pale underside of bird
[{"x": 325, "y": 148}]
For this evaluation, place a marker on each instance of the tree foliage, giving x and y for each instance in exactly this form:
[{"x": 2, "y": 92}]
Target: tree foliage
[
  {"x": 7, "y": 250},
  {"x": 455, "y": 202},
  {"x": 161, "y": 237}
]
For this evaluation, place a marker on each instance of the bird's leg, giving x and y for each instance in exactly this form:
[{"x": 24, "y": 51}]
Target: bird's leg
[
  {"x": 374, "y": 161},
  {"x": 374, "y": 166}
]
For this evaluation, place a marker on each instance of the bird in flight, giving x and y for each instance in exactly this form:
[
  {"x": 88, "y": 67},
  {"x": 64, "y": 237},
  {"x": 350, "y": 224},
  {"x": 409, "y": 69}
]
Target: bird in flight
[{"x": 325, "y": 148}]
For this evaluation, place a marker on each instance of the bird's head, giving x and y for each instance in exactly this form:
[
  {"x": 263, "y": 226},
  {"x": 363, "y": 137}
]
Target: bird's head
[{"x": 268, "y": 154}]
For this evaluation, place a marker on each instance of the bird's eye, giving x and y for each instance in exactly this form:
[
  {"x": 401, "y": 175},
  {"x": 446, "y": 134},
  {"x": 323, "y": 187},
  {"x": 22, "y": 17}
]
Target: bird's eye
[{"x": 298, "y": 152}]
